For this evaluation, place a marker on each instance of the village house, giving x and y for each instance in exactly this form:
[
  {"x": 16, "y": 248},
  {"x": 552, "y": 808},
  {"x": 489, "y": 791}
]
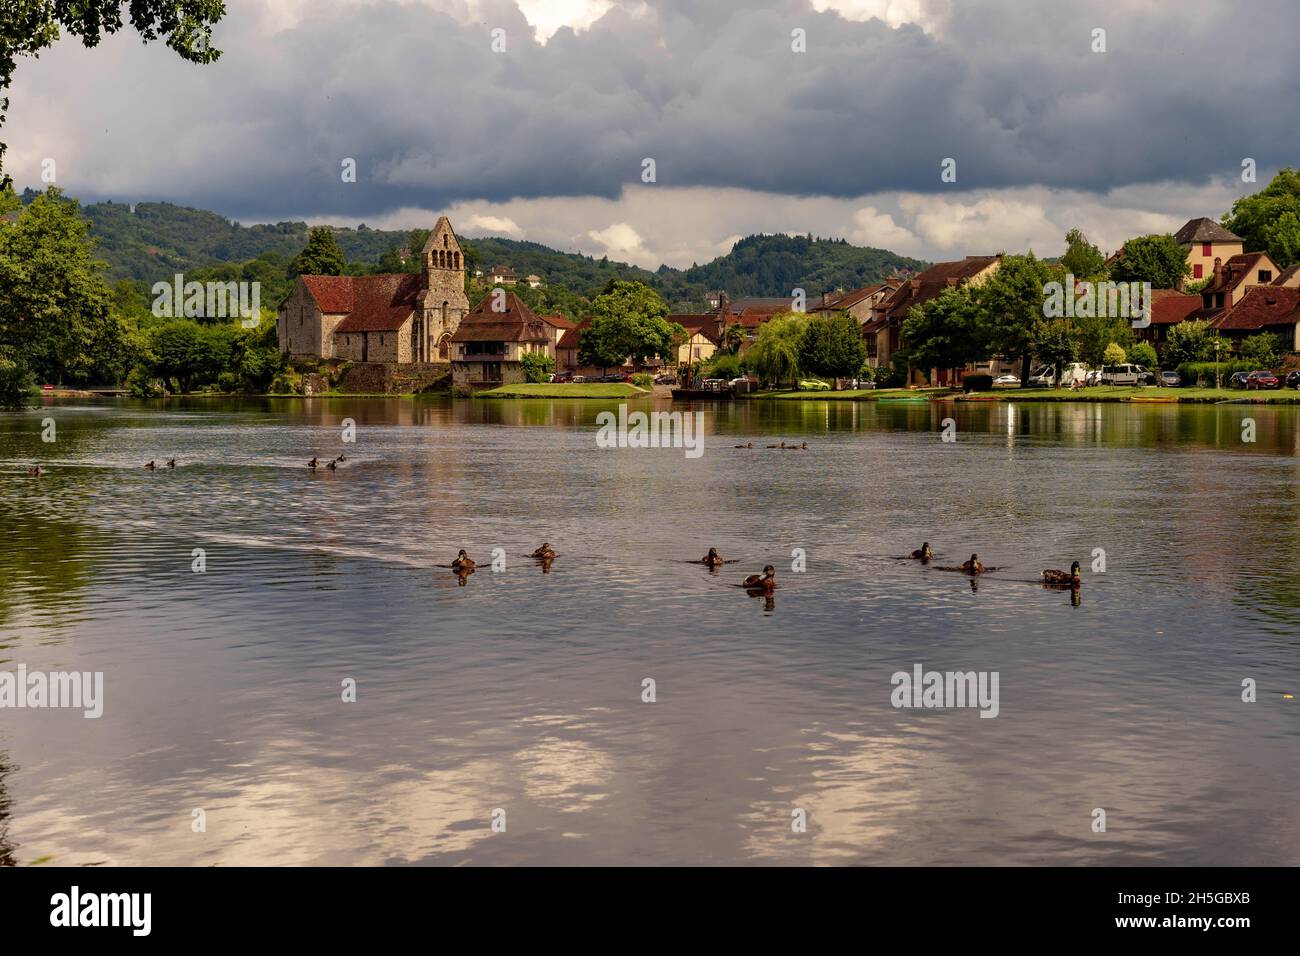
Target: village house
[
  {"x": 492, "y": 339},
  {"x": 1273, "y": 309},
  {"x": 1230, "y": 280},
  {"x": 858, "y": 303},
  {"x": 883, "y": 331},
  {"x": 501, "y": 275},
  {"x": 396, "y": 318},
  {"x": 534, "y": 281},
  {"x": 1206, "y": 241}
]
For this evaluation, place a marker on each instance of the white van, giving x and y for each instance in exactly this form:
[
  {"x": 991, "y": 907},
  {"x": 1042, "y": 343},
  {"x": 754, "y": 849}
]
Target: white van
[
  {"x": 1045, "y": 375},
  {"x": 1124, "y": 375}
]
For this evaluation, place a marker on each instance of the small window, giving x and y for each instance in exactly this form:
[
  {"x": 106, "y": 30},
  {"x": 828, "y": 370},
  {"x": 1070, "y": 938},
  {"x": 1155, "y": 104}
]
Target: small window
[
  {"x": 1198, "y": 271},
  {"x": 1265, "y": 275},
  {"x": 1207, "y": 249}
]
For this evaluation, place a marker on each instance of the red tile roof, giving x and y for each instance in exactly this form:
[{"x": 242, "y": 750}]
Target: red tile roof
[
  {"x": 928, "y": 283},
  {"x": 379, "y": 303},
  {"x": 573, "y": 337},
  {"x": 846, "y": 300},
  {"x": 558, "y": 321},
  {"x": 1169, "y": 307},
  {"x": 516, "y": 323},
  {"x": 1261, "y": 307}
]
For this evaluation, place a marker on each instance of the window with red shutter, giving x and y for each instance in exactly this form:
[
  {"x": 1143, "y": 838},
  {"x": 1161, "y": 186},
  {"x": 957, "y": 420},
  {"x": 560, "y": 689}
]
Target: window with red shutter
[
  {"x": 1207, "y": 249},
  {"x": 1197, "y": 270}
]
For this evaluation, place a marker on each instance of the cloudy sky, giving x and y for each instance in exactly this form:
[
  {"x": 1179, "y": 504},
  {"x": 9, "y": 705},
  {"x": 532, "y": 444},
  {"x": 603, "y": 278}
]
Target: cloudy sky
[{"x": 547, "y": 139}]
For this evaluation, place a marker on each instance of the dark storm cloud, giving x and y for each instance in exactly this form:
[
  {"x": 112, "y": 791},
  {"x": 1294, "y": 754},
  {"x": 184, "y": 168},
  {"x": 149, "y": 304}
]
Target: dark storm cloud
[{"x": 711, "y": 91}]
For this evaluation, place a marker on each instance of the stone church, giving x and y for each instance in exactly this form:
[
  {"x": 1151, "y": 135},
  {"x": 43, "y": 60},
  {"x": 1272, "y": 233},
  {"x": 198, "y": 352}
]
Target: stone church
[{"x": 402, "y": 318}]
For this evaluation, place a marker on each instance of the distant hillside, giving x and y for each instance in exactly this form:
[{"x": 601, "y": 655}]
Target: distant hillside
[{"x": 152, "y": 240}]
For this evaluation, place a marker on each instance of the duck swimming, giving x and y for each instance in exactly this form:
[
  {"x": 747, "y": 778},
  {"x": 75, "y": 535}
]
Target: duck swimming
[
  {"x": 463, "y": 561},
  {"x": 803, "y": 447},
  {"x": 973, "y": 566},
  {"x": 35, "y": 471},
  {"x": 1063, "y": 577},
  {"x": 150, "y": 465},
  {"x": 341, "y": 457},
  {"x": 313, "y": 463},
  {"x": 331, "y": 464},
  {"x": 923, "y": 553},
  {"x": 764, "y": 582},
  {"x": 748, "y": 444},
  {"x": 544, "y": 553},
  {"x": 713, "y": 559},
  {"x": 171, "y": 462},
  {"x": 782, "y": 445}
]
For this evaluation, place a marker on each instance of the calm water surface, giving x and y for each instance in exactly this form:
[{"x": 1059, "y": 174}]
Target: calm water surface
[{"x": 521, "y": 690}]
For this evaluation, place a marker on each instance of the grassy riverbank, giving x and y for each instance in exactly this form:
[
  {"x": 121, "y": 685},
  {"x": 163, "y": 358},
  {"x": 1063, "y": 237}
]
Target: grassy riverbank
[
  {"x": 1103, "y": 393},
  {"x": 564, "y": 390}
]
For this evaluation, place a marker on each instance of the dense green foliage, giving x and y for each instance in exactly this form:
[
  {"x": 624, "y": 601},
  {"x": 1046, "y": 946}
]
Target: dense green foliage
[
  {"x": 537, "y": 366},
  {"x": 320, "y": 257},
  {"x": 1269, "y": 220},
  {"x": 627, "y": 321},
  {"x": 1082, "y": 259},
  {"x": 1155, "y": 259},
  {"x": 832, "y": 346},
  {"x": 947, "y": 331},
  {"x": 778, "y": 348},
  {"x": 1012, "y": 304},
  {"x": 1189, "y": 342},
  {"x": 1144, "y": 354}
]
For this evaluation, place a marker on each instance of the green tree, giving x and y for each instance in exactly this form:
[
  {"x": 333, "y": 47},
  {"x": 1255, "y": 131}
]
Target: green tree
[
  {"x": 54, "y": 302},
  {"x": 320, "y": 257},
  {"x": 832, "y": 346},
  {"x": 1082, "y": 259},
  {"x": 778, "y": 348},
  {"x": 27, "y": 27},
  {"x": 1144, "y": 354},
  {"x": 1189, "y": 342},
  {"x": 627, "y": 321},
  {"x": 1263, "y": 350},
  {"x": 176, "y": 351},
  {"x": 1155, "y": 259},
  {"x": 1094, "y": 333},
  {"x": 1010, "y": 303},
  {"x": 945, "y": 333},
  {"x": 1269, "y": 220},
  {"x": 1114, "y": 354},
  {"x": 734, "y": 338},
  {"x": 1056, "y": 343},
  {"x": 537, "y": 366}
]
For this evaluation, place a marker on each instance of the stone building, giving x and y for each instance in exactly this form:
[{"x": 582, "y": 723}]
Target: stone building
[{"x": 396, "y": 318}]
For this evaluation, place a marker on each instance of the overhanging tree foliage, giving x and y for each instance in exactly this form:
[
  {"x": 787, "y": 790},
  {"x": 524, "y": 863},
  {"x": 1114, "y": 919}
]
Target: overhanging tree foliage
[{"x": 29, "y": 26}]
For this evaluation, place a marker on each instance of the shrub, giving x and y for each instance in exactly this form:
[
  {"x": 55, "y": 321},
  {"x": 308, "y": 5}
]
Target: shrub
[
  {"x": 537, "y": 366},
  {"x": 141, "y": 384},
  {"x": 643, "y": 380},
  {"x": 287, "y": 382},
  {"x": 1114, "y": 354},
  {"x": 1202, "y": 373},
  {"x": 979, "y": 382},
  {"x": 1144, "y": 354}
]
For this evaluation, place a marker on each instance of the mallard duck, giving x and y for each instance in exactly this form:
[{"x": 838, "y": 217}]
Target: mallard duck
[
  {"x": 803, "y": 447},
  {"x": 713, "y": 559},
  {"x": 171, "y": 462},
  {"x": 331, "y": 464},
  {"x": 765, "y": 581},
  {"x": 782, "y": 445},
  {"x": 748, "y": 444},
  {"x": 341, "y": 457},
  {"x": 463, "y": 561},
  {"x": 313, "y": 463},
  {"x": 973, "y": 566},
  {"x": 1062, "y": 577},
  {"x": 150, "y": 465},
  {"x": 923, "y": 553},
  {"x": 35, "y": 471},
  {"x": 545, "y": 552}
]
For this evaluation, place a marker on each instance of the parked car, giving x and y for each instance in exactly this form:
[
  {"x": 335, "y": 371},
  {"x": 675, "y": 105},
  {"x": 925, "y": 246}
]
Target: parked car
[
  {"x": 1238, "y": 380},
  {"x": 1293, "y": 379},
  {"x": 665, "y": 379},
  {"x": 1263, "y": 379},
  {"x": 1172, "y": 379},
  {"x": 576, "y": 379},
  {"x": 1093, "y": 377},
  {"x": 1007, "y": 380},
  {"x": 1043, "y": 377},
  {"x": 813, "y": 385}
]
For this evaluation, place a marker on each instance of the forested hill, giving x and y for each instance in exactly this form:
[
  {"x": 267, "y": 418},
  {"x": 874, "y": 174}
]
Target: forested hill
[{"x": 153, "y": 240}]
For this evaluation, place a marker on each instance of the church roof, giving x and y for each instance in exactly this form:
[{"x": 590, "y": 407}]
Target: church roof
[{"x": 380, "y": 303}]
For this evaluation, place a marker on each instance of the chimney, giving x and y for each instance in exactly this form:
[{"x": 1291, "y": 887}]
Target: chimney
[
  {"x": 1218, "y": 270},
  {"x": 915, "y": 285}
]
